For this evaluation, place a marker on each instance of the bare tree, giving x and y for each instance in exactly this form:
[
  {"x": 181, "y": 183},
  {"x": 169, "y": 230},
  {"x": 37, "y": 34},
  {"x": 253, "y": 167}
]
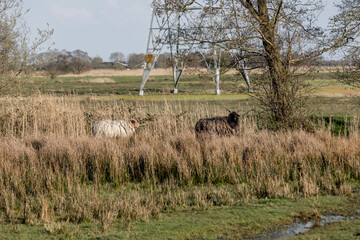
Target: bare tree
[
  {"x": 62, "y": 62},
  {"x": 163, "y": 61},
  {"x": 97, "y": 63},
  {"x": 117, "y": 57},
  {"x": 16, "y": 48},
  {"x": 118, "y": 60},
  {"x": 56, "y": 62},
  {"x": 136, "y": 60},
  {"x": 80, "y": 61},
  {"x": 348, "y": 21},
  {"x": 283, "y": 33}
]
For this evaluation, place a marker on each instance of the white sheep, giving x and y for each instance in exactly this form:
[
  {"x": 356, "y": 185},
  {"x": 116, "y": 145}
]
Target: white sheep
[{"x": 114, "y": 128}]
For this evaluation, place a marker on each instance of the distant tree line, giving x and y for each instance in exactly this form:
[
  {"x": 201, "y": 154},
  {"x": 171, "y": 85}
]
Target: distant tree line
[{"x": 56, "y": 62}]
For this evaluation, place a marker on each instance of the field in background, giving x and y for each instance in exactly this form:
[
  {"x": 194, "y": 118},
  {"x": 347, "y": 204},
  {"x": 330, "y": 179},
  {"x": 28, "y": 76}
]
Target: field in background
[
  {"x": 327, "y": 97},
  {"x": 187, "y": 71},
  {"x": 61, "y": 181},
  {"x": 127, "y": 82}
]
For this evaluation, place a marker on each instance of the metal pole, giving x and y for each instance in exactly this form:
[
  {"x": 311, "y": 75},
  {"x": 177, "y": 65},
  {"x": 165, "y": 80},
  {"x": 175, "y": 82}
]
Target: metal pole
[
  {"x": 147, "y": 65},
  {"x": 176, "y": 71},
  {"x": 217, "y": 59},
  {"x": 242, "y": 62},
  {"x": 243, "y": 70}
]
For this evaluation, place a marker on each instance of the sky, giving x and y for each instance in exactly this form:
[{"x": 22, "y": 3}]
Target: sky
[{"x": 100, "y": 27}]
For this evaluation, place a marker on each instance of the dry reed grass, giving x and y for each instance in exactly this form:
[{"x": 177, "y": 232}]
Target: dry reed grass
[{"x": 51, "y": 168}]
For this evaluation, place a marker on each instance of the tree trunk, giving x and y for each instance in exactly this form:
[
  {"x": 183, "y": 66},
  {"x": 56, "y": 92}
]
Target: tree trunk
[{"x": 280, "y": 102}]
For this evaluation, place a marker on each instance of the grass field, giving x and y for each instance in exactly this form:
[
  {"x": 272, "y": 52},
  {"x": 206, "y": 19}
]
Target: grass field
[
  {"x": 57, "y": 181},
  {"x": 117, "y": 84}
]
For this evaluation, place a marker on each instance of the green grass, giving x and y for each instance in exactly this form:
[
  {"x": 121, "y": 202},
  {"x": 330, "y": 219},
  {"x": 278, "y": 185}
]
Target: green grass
[
  {"x": 326, "y": 101},
  {"x": 189, "y": 84},
  {"x": 246, "y": 219}
]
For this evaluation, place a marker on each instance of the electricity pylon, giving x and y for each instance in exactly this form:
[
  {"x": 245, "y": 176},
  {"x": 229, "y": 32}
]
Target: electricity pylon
[{"x": 182, "y": 26}]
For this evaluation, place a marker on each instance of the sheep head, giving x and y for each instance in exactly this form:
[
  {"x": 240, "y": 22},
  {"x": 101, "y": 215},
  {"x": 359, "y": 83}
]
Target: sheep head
[
  {"x": 135, "y": 123},
  {"x": 233, "y": 119}
]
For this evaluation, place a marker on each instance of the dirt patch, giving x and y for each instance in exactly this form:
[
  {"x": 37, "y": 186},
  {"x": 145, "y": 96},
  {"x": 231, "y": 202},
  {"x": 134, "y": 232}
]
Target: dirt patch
[{"x": 97, "y": 80}]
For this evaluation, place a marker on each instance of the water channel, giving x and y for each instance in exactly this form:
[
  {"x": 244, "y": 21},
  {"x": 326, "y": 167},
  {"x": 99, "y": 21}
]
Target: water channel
[{"x": 296, "y": 228}]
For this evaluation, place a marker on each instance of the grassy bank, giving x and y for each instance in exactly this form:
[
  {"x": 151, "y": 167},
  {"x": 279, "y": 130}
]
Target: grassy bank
[{"x": 246, "y": 219}]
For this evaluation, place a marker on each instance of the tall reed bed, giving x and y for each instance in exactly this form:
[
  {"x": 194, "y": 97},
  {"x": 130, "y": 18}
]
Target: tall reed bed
[{"x": 51, "y": 168}]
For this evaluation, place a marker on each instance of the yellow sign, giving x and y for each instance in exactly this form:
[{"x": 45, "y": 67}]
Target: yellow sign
[{"x": 149, "y": 58}]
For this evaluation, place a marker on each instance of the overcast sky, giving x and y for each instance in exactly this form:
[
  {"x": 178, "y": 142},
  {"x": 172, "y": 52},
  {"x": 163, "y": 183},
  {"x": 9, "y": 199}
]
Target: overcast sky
[{"x": 99, "y": 27}]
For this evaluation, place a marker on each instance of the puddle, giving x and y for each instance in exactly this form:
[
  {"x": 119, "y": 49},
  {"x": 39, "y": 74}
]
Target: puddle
[
  {"x": 296, "y": 228},
  {"x": 302, "y": 227}
]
